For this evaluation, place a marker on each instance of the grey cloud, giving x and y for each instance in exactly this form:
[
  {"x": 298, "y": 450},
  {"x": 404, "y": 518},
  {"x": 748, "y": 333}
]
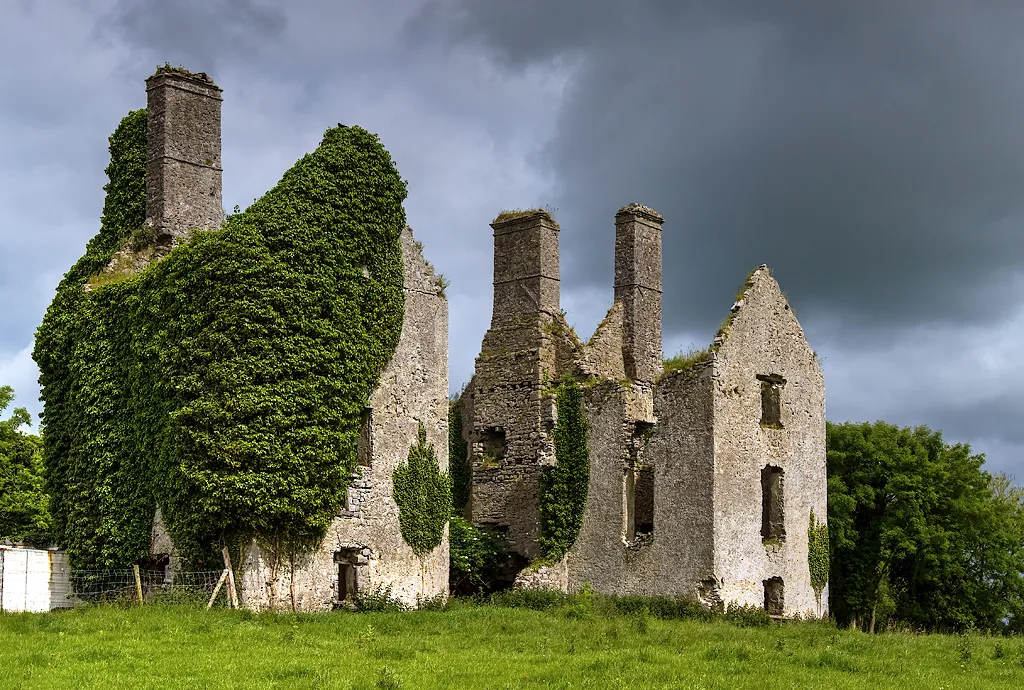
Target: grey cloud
[
  {"x": 868, "y": 152},
  {"x": 205, "y": 32}
]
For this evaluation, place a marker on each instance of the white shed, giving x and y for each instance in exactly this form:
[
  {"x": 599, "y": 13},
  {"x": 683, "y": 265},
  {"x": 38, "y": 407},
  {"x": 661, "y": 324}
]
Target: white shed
[{"x": 34, "y": 579}]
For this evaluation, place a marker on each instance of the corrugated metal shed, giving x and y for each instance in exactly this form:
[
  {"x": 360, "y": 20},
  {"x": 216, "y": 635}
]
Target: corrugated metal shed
[{"x": 33, "y": 579}]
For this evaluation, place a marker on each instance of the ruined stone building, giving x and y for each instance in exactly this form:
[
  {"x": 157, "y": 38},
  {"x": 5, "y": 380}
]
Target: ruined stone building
[
  {"x": 702, "y": 479},
  {"x": 364, "y": 550}
]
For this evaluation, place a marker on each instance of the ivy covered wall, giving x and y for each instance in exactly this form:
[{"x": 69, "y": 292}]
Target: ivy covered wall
[
  {"x": 225, "y": 382},
  {"x": 564, "y": 487}
]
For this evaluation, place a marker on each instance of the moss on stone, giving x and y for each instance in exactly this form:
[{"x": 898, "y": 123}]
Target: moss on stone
[{"x": 516, "y": 213}]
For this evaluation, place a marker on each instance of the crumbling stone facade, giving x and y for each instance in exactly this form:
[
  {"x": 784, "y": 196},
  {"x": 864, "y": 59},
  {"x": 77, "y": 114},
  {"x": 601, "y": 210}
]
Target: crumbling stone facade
[
  {"x": 701, "y": 480},
  {"x": 363, "y": 552}
]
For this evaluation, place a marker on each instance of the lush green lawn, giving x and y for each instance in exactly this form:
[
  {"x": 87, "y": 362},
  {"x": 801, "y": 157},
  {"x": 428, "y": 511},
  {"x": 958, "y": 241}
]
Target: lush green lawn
[{"x": 477, "y": 647}]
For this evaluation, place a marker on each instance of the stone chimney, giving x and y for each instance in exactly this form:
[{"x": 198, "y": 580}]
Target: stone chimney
[
  {"x": 638, "y": 289},
  {"x": 525, "y": 267},
  {"x": 183, "y": 166}
]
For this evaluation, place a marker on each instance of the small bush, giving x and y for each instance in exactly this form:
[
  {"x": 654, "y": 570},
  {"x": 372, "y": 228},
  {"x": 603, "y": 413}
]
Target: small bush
[
  {"x": 747, "y": 616},
  {"x": 378, "y": 599},
  {"x": 477, "y": 557}
]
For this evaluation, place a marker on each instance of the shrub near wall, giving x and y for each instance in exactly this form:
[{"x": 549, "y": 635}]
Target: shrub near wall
[{"x": 224, "y": 382}]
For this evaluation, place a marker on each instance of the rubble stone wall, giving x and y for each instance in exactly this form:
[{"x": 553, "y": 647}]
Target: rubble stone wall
[
  {"x": 183, "y": 166},
  {"x": 764, "y": 339}
]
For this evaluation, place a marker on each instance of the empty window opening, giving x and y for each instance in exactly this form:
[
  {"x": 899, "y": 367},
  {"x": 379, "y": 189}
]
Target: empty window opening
[
  {"x": 771, "y": 400},
  {"x": 348, "y": 581},
  {"x": 774, "y": 599},
  {"x": 493, "y": 445},
  {"x": 643, "y": 501},
  {"x": 639, "y": 494},
  {"x": 364, "y": 446},
  {"x": 772, "y": 515}
]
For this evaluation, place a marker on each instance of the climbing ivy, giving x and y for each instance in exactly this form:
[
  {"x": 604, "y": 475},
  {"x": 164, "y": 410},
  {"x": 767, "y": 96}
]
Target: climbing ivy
[
  {"x": 225, "y": 382},
  {"x": 458, "y": 458},
  {"x": 424, "y": 497},
  {"x": 564, "y": 486},
  {"x": 818, "y": 555}
]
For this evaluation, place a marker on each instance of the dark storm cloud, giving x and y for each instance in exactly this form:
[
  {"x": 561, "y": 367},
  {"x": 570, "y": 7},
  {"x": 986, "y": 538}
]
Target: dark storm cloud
[
  {"x": 870, "y": 152},
  {"x": 204, "y": 32}
]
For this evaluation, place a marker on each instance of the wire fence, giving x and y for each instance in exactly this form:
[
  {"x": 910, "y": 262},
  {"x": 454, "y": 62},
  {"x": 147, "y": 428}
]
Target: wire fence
[{"x": 149, "y": 587}]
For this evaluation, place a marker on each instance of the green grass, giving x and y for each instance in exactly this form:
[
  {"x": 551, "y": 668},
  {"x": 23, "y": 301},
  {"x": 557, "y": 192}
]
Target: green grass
[{"x": 477, "y": 647}]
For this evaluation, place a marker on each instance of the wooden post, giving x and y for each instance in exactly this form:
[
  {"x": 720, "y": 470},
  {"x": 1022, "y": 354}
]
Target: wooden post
[
  {"x": 138, "y": 582},
  {"x": 223, "y": 576},
  {"x": 232, "y": 592}
]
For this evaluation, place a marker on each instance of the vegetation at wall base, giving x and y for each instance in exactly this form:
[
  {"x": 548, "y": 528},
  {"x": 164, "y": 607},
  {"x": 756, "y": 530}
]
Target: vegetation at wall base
[
  {"x": 468, "y": 645},
  {"x": 224, "y": 382},
  {"x": 477, "y": 557},
  {"x": 564, "y": 487},
  {"x": 424, "y": 497},
  {"x": 817, "y": 555}
]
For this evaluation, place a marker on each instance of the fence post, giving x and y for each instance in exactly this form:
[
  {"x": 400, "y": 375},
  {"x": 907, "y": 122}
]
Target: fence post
[
  {"x": 232, "y": 592},
  {"x": 138, "y": 582},
  {"x": 223, "y": 576}
]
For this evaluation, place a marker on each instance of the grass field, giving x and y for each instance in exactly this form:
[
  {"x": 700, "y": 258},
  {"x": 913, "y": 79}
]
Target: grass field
[{"x": 477, "y": 647}]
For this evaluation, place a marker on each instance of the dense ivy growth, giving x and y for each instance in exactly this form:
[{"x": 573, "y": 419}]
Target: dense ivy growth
[
  {"x": 424, "y": 497},
  {"x": 223, "y": 383},
  {"x": 817, "y": 555},
  {"x": 564, "y": 486},
  {"x": 458, "y": 459}
]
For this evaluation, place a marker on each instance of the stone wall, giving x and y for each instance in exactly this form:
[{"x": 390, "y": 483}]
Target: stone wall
[
  {"x": 676, "y": 558},
  {"x": 508, "y": 415},
  {"x": 366, "y": 536},
  {"x": 765, "y": 340},
  {"x": 638, "y": 290},
  {"x": 183, "y": 166}
]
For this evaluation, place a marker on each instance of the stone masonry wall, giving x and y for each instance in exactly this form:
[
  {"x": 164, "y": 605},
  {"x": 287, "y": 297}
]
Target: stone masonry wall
[
  {"x": 677, "y": 558},
  {"x": 508, "y": 415},
  {"x": 413, "y": 389},
  {"x": 638, "y": 289},
  {"x": 183, "y": 166},
  {"x": 765, "y": 339}
]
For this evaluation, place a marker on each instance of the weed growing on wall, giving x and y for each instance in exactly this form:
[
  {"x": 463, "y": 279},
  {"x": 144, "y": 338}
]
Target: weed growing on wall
[
  {"x": 424, "y": 497},
  {"x": 818, "y": 555},
  {"x": 225, "y": 382},
  {"x": 564, "y": 486}
]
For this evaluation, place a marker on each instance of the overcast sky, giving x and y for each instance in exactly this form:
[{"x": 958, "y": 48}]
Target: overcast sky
[{"x": 870, "y": 152}]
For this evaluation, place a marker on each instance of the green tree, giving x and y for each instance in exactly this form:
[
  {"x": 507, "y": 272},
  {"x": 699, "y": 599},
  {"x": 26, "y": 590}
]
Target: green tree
[
  {"x": 920, "y": 531},
  {"x": 24, "y": 505}
]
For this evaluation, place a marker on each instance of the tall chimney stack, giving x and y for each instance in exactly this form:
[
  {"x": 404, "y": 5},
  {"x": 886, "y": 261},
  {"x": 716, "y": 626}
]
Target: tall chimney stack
[
  {"x": 525, "y": 267},
  {"x": 183, "y": 166},
  {"x": 638, "y": 289}
]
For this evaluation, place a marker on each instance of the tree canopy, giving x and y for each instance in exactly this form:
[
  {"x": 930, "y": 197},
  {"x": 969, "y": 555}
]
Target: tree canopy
[
  {"x": 920, "y": 532},
  {"x": 24, "y": 504}
]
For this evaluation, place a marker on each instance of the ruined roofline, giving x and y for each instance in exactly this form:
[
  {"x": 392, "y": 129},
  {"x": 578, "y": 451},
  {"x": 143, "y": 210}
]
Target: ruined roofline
[
  {"x": 180, "y": 72},
  {"x": 636, "y": 209},
  {"x": 506, "y": 219},
  {"x": 696, "y": 360}
]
